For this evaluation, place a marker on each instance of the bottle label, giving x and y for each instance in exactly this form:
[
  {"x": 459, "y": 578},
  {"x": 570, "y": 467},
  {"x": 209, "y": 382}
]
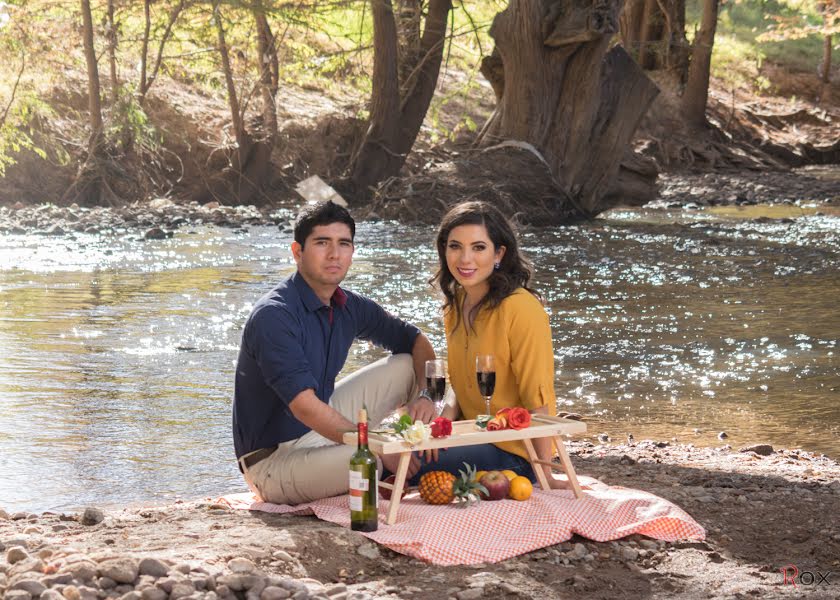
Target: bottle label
[{"x": 359, "y": 485}]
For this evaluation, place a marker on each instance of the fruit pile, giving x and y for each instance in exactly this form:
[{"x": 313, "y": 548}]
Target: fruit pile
[{"x": 441, "y": 487}]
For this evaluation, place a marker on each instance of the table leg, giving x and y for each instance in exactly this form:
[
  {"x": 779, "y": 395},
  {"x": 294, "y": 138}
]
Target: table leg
[
  {"x": 539, "y": 471},
  {"x": 567, "y": 466},
  {"x": 399, "y": 484}
]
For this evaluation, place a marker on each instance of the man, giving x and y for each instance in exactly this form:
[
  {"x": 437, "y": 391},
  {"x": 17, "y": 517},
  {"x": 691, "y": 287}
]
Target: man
[{"x": 289, "y": 416}]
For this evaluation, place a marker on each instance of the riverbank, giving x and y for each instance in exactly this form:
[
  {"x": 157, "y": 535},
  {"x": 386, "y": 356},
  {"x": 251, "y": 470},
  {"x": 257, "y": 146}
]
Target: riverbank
[
  {"x": 161, "y": 217},
  {"x": 763, "y": 510}
]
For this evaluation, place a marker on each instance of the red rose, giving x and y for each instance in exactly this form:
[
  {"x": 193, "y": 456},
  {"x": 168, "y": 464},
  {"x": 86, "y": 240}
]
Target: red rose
[
  {"x": 518, "y": 418},
  {"x": 495, "y": 424},
  {"x": 441, "y": 427}
]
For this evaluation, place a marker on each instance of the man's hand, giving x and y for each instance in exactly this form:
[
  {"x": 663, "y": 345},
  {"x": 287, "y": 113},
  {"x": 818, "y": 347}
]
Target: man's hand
[{"x": 421, "y": 408}]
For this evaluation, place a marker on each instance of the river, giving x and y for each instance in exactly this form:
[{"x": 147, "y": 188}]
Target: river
[{"x": 117, "y": 354}]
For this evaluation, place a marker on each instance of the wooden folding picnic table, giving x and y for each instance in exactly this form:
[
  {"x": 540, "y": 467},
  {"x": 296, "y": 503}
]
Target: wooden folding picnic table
[{"x": 465, "y": 433}]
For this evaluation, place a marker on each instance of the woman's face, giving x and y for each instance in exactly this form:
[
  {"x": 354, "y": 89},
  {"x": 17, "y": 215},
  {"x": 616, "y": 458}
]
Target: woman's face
[{"x": 470, "y": 256}]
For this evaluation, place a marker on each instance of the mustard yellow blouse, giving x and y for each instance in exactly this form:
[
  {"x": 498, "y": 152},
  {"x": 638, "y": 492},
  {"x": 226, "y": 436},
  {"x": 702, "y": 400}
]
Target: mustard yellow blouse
[{"x": 518, "y": 334}]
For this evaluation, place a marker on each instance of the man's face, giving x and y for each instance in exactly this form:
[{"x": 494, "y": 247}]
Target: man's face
[{"x": 326, "y": 255}]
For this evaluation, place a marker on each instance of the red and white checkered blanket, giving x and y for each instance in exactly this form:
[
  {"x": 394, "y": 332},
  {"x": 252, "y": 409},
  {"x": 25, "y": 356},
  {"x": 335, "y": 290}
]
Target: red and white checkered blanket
[{"x": 493, "y": 531}]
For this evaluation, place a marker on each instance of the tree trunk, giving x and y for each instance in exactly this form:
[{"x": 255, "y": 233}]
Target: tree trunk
[
  {"x": 396, "y": 118},
  {"x": 268, "y": 78},
  {"x": 94, "y": 101},
  {"x": 409, "y": 21},
  {"x": 562, "y": 91},
  {"x": 696, "y": 93},
  {"x": 144, "y": 49},
  {"x": 653, "y": 31},
  {"x": 825, "y": 72},
  {"x": 112, "y": 51},
  {"x": 241, "y": 136}
]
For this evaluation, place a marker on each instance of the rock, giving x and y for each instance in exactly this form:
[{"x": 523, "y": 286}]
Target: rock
[
  {"x": 83, "y": 570},
  {"x": 132, "y": 595},
  {"x": 106, "y": 583},
  {"x": 17, "y": 595},
  {"x": 183, "y": 568},
  {"x": 339, "y": 588},
  {"x": 234, "y": 582},
  {"x": 241, "y": 565},
  {"x": 155, "y": 233},
  {"x": 628, "y": 554},
  {"x": 71, "y": 592},
  {"x": 274, "y": 593},
  {"x": 626, "y": 460},
  {"x": 16, "y": 554},
  {"x": 649, "y": 545},
  {"x": 760, "y": 449},
  {"x": 4, "y": 516},
  {"x": 181, "y": 589},
  {"x": 579, "y": 551},
  {"x": 58, "y": 579},
  {"x": 370, "y": 551},
  {"x": 121, "y": 570},
  {"x": 153, "y": 593},
  {"x": 51, "y": 595},
  {"x": 284, "y": 556},
  {"x": 31, "y": 586},
  {"x": 92, "y": 516},
  {"x": 471, "y": 594},
  {"x": 603, "y": 438},
  {"x": 153, "y": 567},
  {"x": 722, "y": 435}
]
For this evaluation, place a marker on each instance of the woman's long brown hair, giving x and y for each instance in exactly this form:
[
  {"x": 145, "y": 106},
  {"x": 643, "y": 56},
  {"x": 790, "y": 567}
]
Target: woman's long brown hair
[{"x": 514, "y": 269}]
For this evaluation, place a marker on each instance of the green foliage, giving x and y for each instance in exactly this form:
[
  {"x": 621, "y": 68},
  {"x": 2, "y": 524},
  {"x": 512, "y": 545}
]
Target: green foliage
[
  {"x": 742, "y": 43},
  {"x": 17, "y": 131}
]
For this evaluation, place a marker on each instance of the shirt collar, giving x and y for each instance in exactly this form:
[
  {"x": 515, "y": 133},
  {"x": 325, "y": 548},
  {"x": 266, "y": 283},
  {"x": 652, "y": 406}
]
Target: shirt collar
[{"x": 311, "y": 300}]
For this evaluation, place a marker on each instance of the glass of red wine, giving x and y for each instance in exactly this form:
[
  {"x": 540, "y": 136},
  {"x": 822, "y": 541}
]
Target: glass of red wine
[
  {"x": 436, "y": 379},
  {"x": 485, "y": 372}
]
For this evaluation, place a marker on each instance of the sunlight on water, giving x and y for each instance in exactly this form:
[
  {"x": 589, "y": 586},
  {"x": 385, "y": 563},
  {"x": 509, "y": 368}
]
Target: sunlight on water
[{"x": 118, "y": 354}]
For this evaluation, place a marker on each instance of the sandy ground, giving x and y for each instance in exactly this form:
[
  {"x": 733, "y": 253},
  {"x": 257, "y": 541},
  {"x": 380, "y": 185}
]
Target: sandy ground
[{"x": 762, "y": 514}]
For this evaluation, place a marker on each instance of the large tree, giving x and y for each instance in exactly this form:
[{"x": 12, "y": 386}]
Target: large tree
[
  {"x": 653, "y": 31},
  {"x": 577, "y": 102},
  {"x": 398, "y": 103}
]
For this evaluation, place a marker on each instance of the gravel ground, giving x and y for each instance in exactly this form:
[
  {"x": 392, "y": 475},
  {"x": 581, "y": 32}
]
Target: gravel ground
[{"x": 764, "y": 510}]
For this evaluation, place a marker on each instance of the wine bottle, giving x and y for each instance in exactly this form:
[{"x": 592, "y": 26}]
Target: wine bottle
[{"x": 364, "y": 493}]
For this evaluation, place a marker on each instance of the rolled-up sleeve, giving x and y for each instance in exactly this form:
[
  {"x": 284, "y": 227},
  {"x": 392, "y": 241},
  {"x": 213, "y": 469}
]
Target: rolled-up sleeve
[
  {"x": 377, "y": 325},
  {"x": 531, "y": 352},
  {"x": 277, "y": 350}
]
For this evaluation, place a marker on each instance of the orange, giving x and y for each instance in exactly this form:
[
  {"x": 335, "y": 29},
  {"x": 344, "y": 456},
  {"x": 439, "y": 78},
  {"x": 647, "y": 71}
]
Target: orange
[
  {"x": 510, "y": 474},
  {"x": 520, "y": 488},
  {"x": 479, "y": 475}
]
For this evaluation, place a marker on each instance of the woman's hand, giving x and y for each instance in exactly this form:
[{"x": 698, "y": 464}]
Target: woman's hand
[{"x": 421, "y": 409}]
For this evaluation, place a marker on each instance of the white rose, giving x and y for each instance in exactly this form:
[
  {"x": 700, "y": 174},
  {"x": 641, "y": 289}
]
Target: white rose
[{"x": 416, "y": 433}]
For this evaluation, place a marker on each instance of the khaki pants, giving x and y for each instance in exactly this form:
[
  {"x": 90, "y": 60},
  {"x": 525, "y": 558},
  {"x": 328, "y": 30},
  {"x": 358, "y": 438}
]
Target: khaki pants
[{"x": 311, "y": 466}]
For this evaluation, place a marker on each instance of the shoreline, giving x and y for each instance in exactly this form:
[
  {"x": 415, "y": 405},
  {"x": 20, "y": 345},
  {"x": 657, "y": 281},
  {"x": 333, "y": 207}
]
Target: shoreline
[
  {"x": 761, "y": 512},
  {"x": 161, "y": 217}
]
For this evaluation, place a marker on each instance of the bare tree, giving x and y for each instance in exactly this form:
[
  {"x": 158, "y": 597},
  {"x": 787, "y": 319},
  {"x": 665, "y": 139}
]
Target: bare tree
[{"x": 94, "y": 100}]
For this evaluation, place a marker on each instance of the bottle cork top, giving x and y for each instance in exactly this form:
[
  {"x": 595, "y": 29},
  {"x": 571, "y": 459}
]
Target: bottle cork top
[{"x": 362, "y": 415}]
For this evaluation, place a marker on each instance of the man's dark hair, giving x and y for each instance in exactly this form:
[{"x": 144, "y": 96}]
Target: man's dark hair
[{"x": 322, "y": 213}]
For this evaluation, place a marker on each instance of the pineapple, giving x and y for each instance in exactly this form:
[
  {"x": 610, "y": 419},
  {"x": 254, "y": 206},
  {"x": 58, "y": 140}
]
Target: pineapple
[{"x": 441, "y": 487}]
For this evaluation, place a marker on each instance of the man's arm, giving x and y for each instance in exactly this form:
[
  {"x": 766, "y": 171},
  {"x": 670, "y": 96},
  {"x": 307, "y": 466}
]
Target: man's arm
[
  {"x": 421, "y": 407},
  {"x": 317, "y": 415},
  {"x": 309, "y": 410}
]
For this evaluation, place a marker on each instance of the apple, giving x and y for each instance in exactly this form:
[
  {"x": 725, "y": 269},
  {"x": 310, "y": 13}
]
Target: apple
[
  {"x": 385, "y": 493},
  {"x": 497, "y": 485}
]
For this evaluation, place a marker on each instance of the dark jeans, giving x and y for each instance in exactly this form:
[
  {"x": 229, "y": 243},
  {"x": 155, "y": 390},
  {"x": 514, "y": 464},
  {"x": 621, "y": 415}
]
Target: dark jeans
[{"x": 485, "y": 457}]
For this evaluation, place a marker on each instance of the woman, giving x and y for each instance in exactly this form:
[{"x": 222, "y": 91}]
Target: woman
[{"x": 489, "y": 309}]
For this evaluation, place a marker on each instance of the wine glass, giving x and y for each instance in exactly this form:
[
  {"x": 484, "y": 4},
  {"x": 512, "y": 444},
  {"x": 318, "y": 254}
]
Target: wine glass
[
  {"x": 485, "y": 372},
  {"x": 436, "y": 379}
]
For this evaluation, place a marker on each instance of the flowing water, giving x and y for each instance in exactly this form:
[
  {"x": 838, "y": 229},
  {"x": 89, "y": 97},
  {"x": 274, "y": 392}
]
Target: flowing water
[{"x": 117, "y": 355}]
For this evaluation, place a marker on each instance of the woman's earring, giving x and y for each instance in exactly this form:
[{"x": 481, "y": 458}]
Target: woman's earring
[{"x": 496, "y": 265}]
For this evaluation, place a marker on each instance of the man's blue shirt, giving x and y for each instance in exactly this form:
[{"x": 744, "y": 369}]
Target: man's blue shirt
[{"x": 293, "y": 341}]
